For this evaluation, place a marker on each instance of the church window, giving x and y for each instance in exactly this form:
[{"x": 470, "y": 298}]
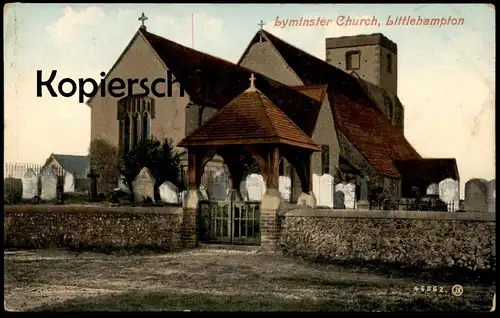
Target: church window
[
  {"x": 146, "y": 128},
  {"x": 325, "y": 159},
  {"x": 352, "y": 60},
  {"x": 389, "y": 63},
  {"x": 126, "y": 135},
  {"x": 134, "y": 115}
]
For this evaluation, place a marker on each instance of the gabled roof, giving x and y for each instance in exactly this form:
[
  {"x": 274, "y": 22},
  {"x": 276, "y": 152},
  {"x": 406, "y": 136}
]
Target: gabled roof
[
  {"x": 222, "y": 81},
  {"x": 250, "y": 118},
  {"x": 429, "y": 169},
  {"x": 356, "y": 115},
  {"x": 77, "y": 165}
]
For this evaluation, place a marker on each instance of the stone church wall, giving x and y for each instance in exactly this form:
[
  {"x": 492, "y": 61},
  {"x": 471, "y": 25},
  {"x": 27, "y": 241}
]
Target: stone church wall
[
  {"x": 46, "y": 226},
  {"x": 420, "y": 239}
]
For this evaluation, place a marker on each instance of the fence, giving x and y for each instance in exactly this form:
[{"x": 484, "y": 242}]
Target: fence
[
  {"x": 23, "y": 184},
  {"x": 414, "y": 205}
]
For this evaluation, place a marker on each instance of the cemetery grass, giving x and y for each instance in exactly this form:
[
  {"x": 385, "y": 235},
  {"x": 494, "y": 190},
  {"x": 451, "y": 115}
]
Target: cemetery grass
[{"x": 216, "y": 280}]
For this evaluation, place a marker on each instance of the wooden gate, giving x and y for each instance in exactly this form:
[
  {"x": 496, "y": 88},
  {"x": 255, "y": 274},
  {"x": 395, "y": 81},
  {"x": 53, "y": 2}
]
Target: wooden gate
[{"x": 229, "y": 222}]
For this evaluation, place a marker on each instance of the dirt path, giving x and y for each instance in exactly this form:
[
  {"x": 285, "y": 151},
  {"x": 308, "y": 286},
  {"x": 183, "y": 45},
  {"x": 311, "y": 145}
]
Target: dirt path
[{"x": 50, "y": 277}]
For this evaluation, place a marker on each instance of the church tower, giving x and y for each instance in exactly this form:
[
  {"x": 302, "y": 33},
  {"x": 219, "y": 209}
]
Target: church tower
[{"x": 373, "y": 57}]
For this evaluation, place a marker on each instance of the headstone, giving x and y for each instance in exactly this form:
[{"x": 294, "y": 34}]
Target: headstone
[
  {"x": 326, "y": 191},
  {"x": 243, "y": 190},
  {"x": 30, "y": 180},
  {"x": 220, "y": 185},
  {"x": 143, "y": 185},
  {"x": 122, "y": 186},
  {"x": 182, "y": 195},
  {"x": 491, "y": 196},
  {"x": 476, "y": 195},
  {"x": 285, "y": 187},
  {"x": 433, "y": 189},
  {"x": 350, "y": 196},
  {"x": 49, "y": 185},
  {"x": 316, "y": 187},
  {"x": 256, "y": 187},
  {"x": 339, "y": 200},
  {"x": 449, "y": 194},
  {"x": 69, "y": 182},
  {"x": 169, "y": 193}
]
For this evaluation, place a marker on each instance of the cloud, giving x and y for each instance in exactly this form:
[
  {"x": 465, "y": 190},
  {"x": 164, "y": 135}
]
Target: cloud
[{"x": 66, "y": 28}]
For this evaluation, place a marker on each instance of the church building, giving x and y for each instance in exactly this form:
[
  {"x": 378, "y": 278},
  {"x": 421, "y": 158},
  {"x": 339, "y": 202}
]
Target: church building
[{"x": 347, "y": 106}]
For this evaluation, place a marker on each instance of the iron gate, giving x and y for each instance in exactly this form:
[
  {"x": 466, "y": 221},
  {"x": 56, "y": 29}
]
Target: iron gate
[{"x": 230, "y": 222}]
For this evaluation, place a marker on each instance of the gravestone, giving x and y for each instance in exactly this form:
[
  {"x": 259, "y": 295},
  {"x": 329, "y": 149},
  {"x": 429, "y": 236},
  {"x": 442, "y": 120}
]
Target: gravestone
[
  {"x": 49, "y": 185},
  {"x": 243, "y": 190},
  {"x": 69, "y": 182},
  {"x": 285, "y": 187},
  {"x": 220, "y": 186},
  {"x": 433, "y": 189},
  {"x": 169, "y": 193},
  {"x": 122, "y": 186},
  {"x": 449, "y": 194},
  {"x": 491, "y": 196},
  {"x": 316, "y": 187},
  {"x": 30, "y": 188},
  {"x": 338, "y": 202},
  {"x": 476, "y": 195},
  {"x": 350, "y": 196},
  {"x": 326, "y": 191},
  {"x": 256, "y": 187},
  {"x": 143, "y": 186}
]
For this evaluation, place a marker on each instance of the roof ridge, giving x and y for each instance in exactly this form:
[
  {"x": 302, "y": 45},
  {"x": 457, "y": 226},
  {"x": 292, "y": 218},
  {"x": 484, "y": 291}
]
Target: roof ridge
[
  {"x": 189, "y": 48},
  {"x": 285, "y": 116}
]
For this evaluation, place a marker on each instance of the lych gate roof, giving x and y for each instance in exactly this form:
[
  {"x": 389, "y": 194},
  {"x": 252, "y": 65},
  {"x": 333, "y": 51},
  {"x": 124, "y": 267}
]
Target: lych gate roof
[
  {"x": 355, "y": 114},
  {"x": 251, "y": 118}
]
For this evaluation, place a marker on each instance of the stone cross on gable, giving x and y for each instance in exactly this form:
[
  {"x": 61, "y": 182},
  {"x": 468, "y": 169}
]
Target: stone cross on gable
[
  {"x": 252, "y": 86},
  {"x": 143, "y": 19},
  {"x": 261, "y": 24}
]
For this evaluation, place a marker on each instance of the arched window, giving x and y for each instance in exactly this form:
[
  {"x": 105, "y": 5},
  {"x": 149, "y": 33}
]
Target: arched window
[
  {"x": 146, "y": 128},
  {"x": 126, "y": 135},
  {"x": 135, "y": 129},
  {"x": 134, "y": 115}
]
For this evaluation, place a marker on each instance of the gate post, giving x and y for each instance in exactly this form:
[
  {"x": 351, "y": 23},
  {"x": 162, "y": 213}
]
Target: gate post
[
  {"x": 269, "y": 231},
  {"x": 191, "y": 210}
]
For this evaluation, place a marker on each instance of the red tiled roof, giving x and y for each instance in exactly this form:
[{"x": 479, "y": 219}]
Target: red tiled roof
[
  {"x": 355, "y": 114},
  {"x": 429, "y": 170},
  {"x": 223, "y": 81},
  {"x": 251, "y": 118}
]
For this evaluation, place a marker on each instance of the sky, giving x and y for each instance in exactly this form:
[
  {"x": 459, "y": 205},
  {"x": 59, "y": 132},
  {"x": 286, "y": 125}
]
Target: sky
[{"x": 446, "y": 74}]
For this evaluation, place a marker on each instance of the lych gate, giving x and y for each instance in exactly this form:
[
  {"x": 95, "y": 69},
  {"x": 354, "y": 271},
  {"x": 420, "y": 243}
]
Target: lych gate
[{"x": 249, "y": 126}]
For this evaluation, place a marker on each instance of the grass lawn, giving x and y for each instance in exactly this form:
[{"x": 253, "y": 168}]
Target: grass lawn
[{"x": 218, "y": 280}]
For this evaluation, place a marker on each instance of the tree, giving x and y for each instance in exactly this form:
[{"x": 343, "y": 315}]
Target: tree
[
  {"x": 160, "y": 158},
  {"x": 104, "y": 159}
]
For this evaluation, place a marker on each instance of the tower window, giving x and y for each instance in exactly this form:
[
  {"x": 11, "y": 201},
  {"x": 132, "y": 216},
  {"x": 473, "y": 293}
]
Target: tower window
[
  {"x": 389, "y": 63},
  {"x": 352, "y": 60}
]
